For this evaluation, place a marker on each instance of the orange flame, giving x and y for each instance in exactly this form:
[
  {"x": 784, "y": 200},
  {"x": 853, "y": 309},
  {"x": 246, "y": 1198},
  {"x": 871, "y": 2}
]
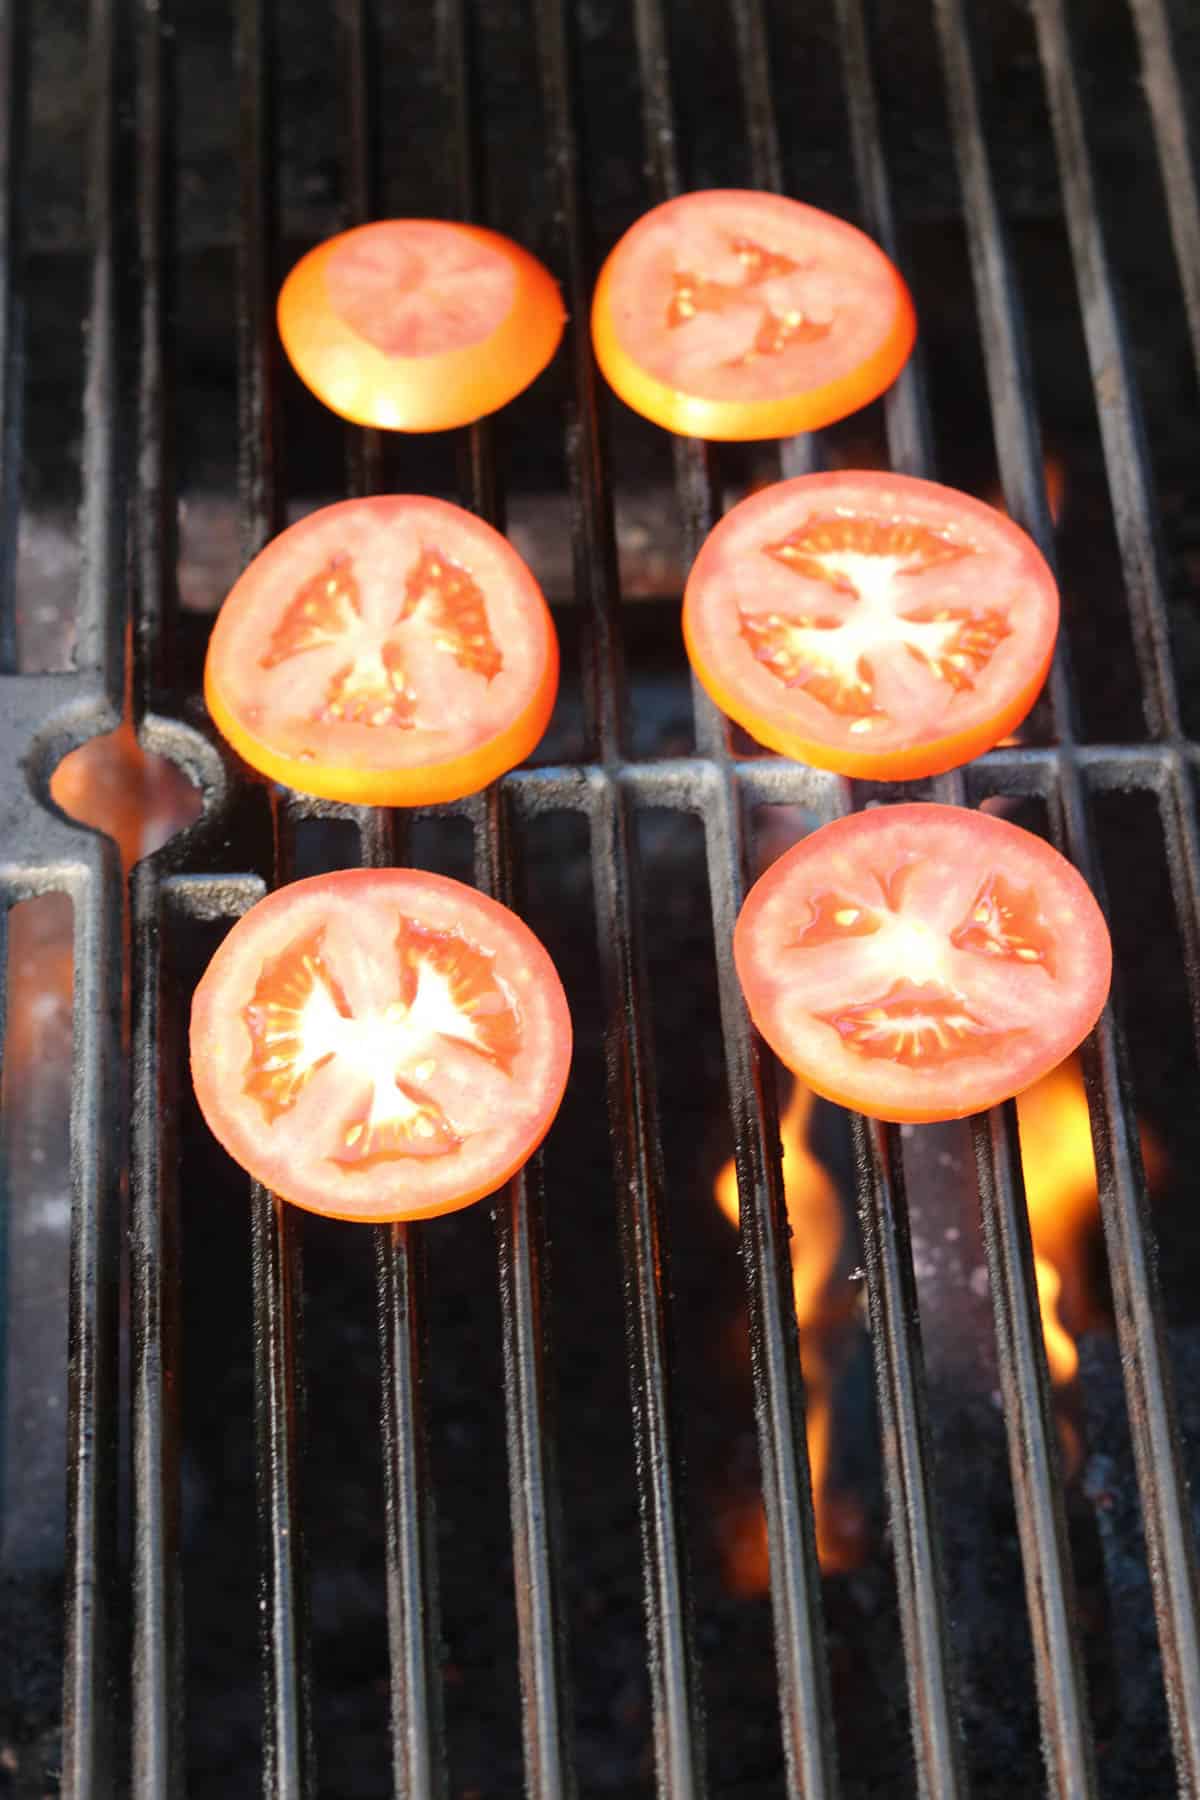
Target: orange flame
[
  {"x": 140, "y": 800},
  {"x": 1061, "y": 1195},
  {"x": 1062, "y": 1353},
  {"x": 823, "y": 1307},
  {"x": 1062, "y": 1198},
  {"x": 1054, "y": 480},
  {"x": 110, "y": 782}
]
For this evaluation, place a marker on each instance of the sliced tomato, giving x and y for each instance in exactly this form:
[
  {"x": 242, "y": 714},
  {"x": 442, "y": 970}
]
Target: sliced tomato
[
  {"x": 737, "y": 314},
  {"x": 871, "y": 623},
  {"x": 393, "y": 651},
  {"x": 419, "y": 324},
  {"x": 380, "y": 1043},
  {"x": 922, "y": 962}
]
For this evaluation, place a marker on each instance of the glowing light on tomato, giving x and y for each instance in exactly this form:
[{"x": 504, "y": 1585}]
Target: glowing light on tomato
[
  {"x": 419, "y": 324},
  {"x": 870, "y": 623},
  {"x": 380, "y": 1044}
]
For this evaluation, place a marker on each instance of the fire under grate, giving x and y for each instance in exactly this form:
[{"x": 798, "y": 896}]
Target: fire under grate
[{"x": 161, "y": 1591}]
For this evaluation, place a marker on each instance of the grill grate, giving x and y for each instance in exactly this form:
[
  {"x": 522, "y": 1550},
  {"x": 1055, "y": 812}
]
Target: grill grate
[{"x": 128, "y": 472}]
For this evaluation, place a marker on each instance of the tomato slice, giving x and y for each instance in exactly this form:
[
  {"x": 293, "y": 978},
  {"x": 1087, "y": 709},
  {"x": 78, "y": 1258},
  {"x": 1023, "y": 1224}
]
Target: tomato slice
[
  {"x": 922, "y": 962},
  {"x": 380, "y": 1043},
  {"x": 419, "y": 324},
  {"x": 870, "y": 623},
  {"x": 736, "y": 314},
  {"x": 392, "y": 651}
]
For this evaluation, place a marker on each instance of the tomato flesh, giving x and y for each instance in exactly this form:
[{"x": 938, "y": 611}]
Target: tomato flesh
[
  {"x": 922, "y": 962},
  {"x": 418, "y": 289},
  {"x": 419, "y": 324},
  {"x": 873, "y": 624},
  {"x": 392, "y": 651},
  {"x": 737, "y": 314},
  {"x": 380, "y": 1044}
]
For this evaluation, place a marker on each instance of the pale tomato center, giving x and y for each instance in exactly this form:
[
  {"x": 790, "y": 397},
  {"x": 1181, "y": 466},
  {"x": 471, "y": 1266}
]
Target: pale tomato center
[
  {"x": 869, "y": 610},
  {"x": 445, "y": 998},
  {"x": 914, "y": 991},
  {"x": 412, "y": 288},
  {"x": 371, "y": 685},
  {"x": 789, "y": 311}
]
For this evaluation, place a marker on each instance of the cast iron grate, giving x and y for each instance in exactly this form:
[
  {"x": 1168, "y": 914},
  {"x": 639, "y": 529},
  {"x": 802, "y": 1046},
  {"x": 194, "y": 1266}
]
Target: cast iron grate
[{"x": 128, "y": 476}]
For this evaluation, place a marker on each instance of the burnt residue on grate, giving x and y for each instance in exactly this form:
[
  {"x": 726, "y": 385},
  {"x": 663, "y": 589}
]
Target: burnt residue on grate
[{"x": 520, "y": 1500}]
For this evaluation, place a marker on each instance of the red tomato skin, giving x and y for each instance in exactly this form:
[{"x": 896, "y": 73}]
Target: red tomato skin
[
  {"x": 213, "y": 1074},
  {"x": 694, "y": 415},
  {"x": 438, "y": 392},
  {"x": 824, "y": 1072},
  {"x": 931, "y": 755}
]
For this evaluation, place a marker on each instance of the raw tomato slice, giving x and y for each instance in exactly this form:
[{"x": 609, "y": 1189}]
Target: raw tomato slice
[
  {"x": 922, "y": 962},
  {"x": 737, "y": 314},
  {"x": 394, "y": 651},
  {"x": 380, "y": 1044},
  {"x": 874, "y": 624},
  {"x": 419, "y": 324}
]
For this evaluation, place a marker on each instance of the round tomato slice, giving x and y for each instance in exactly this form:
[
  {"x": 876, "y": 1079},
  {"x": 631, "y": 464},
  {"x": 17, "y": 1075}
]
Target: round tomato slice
[
  {"x": 380, "y": 1044},
  {"x": 737, "y": 314},
  {"x": 871, "y": 623},
  {"x": 394, "y": 651},
  {"x": 419, "y": 324},
  {"x": 922, "y": 962}
]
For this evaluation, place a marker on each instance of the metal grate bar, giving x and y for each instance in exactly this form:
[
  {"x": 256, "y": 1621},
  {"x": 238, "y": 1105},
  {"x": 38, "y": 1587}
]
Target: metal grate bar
[
  {"x": 414, "y": 1630},
  {"x": 1021, "y": 1351},
  {"x": 1125, "y": 454},
  {"x": 155, "y": 528},
  {"x": 639, "y": 1182},
  {"x": 414, "y": 1634},
  {"x": 356, "y": 51},
  {"x": 891, "y": 1290},
  {"x": 1177, "y": 159},
  {"x": 804, "y": 1702},
  {"x": 520, "y": 1231},
  {"x": 754, "y": 67},
  {"x": 1001, "y": 321},
  {"x": 289, "y": 1762},
  {"x": 158, "y": 1709},
  {"x": 1149, "y": 1390},
  {"x": 260, "y": 469},
  {"x": 100, "y": 634},
  {"x": 14, "y": 89},
  {"x": 92, "y": 879},
  {"x": 88, "y": 1721},
  {"x": 596, "y": 575},
  {"x": 680, "y": 781},
  {"x": 1175, "y": 140},
  {"x": 909, "y": 432},
  {"x": 418, "y": 1752},
  {"x": 899, "y": 1384},
  {"x": 288, "y": 1757},
  {"x": 633, "y": 1111},
  {"x": 805, "y": 1707},
  {"x": 533, "y": 1490},
  {"x": 1145, "y": 1362},
  {"x": 1033, "y": 1455},
  {"x": 1032, "y": 1435}
]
